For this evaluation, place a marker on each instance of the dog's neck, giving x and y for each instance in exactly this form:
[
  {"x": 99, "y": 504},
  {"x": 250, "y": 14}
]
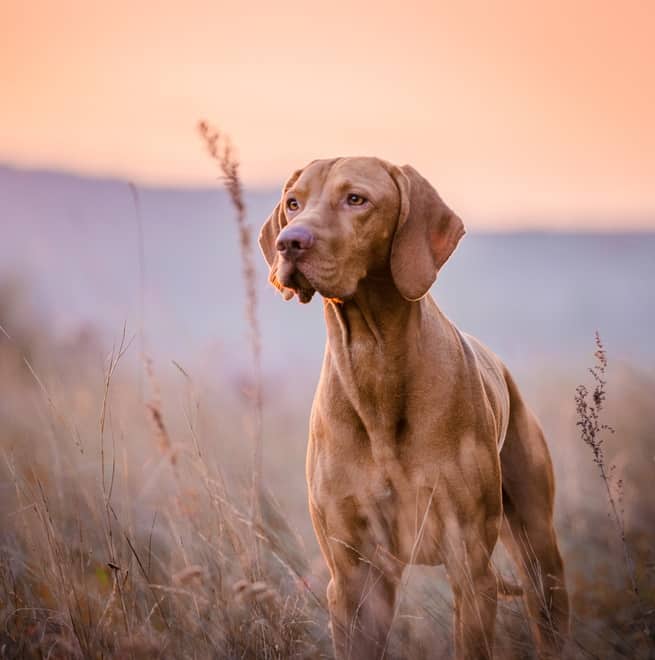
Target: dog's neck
[
  {"x": 376, "y": 315},
  {"x": 369, "y": 337}
]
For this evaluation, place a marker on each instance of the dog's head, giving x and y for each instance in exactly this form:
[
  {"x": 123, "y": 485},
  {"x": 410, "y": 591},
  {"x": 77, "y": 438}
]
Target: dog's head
[{"x": 339, "y": 221}]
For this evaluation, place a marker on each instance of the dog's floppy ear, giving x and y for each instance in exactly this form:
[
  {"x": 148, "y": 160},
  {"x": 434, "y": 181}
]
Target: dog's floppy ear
[
  {"x": 426, "y": 234},
  {"x": 269, "y": 233}
]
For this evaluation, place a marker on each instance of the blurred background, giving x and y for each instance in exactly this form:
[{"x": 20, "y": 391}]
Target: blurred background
[{"x": 533, "y": 121}]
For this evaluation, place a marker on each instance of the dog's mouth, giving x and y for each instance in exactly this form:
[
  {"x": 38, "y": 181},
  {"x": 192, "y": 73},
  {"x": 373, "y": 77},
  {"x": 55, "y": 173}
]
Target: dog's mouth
[{"x": 292, "y": 278}]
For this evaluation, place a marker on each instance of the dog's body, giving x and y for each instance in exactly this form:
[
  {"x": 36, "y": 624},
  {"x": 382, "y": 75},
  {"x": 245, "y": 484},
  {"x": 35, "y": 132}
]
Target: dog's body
[{"x": 421, "y": 449}]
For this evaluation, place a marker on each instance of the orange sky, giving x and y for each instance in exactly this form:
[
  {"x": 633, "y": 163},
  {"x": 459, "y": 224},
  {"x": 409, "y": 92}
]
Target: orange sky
[{"x": 520, "y": 112}]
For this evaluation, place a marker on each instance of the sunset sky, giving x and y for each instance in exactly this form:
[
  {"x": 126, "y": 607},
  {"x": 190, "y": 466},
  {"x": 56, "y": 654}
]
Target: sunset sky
[{"x": 521, "y": 113}]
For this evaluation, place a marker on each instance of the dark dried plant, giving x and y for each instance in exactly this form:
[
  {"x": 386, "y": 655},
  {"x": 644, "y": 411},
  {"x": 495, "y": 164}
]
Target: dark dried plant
[{"x": 589, "y": 405}]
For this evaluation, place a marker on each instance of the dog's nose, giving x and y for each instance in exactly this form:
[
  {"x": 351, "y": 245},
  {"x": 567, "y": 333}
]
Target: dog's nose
[{"x": 292, "y": 241}]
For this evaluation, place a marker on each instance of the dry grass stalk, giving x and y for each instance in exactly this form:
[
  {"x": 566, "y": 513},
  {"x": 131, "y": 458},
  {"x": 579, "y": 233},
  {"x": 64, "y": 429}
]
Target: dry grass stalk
[
  {"x": 153, "y": 407},
  {"x": 156, "y": 415},
  {"x": 221, "y": 150},
  {"x": 588, "y": 407},
  {"x": 138, "y": 219},
  {"x": 591, "y": 432},
  {"x": 112, "y": 363}
]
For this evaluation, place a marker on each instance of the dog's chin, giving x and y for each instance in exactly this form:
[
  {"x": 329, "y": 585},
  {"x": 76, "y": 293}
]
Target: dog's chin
[{"x": 292, "y": 278}]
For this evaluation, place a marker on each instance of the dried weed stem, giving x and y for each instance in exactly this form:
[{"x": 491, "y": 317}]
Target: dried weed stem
[
  {"x": 588, "y": 406},
  {"x": 221, "y": 150}
]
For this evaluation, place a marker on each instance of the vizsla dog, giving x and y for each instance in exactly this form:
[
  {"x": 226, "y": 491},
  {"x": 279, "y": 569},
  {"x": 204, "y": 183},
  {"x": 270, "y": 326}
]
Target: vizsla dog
[{"x": 421, "y": 449}]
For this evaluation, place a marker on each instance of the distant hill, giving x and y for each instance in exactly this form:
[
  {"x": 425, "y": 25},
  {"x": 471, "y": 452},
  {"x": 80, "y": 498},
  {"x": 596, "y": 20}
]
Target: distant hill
[{"x": 532, "y": 296}]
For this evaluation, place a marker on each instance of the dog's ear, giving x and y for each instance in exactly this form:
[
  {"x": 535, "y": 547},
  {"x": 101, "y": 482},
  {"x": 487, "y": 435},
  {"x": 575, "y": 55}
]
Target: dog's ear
[
  {"x": 426, "y": 234},
  {"x": 269, "y": 233}
]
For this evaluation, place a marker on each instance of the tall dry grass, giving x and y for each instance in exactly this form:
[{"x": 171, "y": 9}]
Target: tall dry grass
[
  {"x": 109, "y": 547},
  {"x": 115, "y": 543},
  {"x": 220, "y": 148}
]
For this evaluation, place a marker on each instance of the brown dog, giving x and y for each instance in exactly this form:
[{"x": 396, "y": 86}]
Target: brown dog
[{"x": 421, "y": 450}]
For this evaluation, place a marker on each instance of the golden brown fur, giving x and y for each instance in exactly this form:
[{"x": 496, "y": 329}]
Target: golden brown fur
[{"x": 421, "y": 450}]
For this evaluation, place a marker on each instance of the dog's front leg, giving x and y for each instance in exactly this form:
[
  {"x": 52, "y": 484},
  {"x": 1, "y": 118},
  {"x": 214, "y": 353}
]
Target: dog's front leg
[
  {"x": 475, "y": 616},
  {"x": 475, "y": 595},
  {"x": 361, "y": 599}
]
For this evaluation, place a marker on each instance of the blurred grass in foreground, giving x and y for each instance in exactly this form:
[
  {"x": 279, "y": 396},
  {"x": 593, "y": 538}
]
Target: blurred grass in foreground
[{"x": 131, "y": 537}]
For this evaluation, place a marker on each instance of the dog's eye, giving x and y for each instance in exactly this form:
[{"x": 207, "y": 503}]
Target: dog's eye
[
  {"x": 355, "y": 200},
  {"x": 292, "y": 204}
]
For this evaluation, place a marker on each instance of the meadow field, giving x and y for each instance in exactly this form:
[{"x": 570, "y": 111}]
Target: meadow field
[{"x": 126, "y": 499}]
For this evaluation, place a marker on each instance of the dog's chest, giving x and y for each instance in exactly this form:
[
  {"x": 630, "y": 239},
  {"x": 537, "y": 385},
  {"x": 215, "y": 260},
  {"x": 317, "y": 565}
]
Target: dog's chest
[
  {"x": 374, "y": 381},
  {"x": 377, "y": 509}
]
